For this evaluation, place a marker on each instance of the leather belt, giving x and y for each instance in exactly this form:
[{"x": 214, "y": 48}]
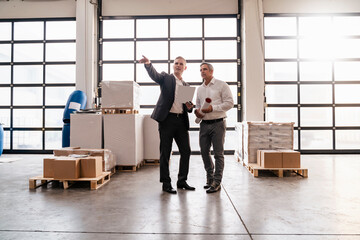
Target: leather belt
[{"x": 212, "y": 121}]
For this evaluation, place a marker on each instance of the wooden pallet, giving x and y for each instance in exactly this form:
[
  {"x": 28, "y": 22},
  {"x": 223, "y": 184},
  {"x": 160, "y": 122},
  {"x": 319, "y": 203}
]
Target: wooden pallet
[
  {"x": 95, "y": 183},
  {"x": 254, "y": 169},
  {"x": 152, "y": 161},
  {"x": 129, "y": 168},
  {"x": 119, "y": 111}
]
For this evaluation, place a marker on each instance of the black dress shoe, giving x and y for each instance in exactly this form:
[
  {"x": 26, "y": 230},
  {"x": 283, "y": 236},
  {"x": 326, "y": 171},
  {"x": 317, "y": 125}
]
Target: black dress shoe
[
  {"x": 168, "y": 189},
  {"x": 208, "y": 185},
  {"x": 185, "y": 186},
  {"x": 213, "y": 189}
]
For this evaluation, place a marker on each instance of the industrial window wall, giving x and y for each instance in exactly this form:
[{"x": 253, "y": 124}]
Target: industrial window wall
[
  {"x": 215, "y": 39},
  {"x": 37, "y": 74},
  {"x": 312, "y": 78}
]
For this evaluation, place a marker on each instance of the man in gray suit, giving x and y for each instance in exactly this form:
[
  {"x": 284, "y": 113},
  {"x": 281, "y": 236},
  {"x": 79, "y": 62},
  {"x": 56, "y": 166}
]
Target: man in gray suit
[{"x": 172, "y": 116}]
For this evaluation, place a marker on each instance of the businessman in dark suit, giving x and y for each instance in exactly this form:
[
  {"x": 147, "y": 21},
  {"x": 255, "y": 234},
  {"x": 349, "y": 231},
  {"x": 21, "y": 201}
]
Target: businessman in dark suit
[{"x": 172, "y": 116}]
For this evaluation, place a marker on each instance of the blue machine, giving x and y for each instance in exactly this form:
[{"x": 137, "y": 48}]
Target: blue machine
[
  {"x": 1, "y": 139},
  {"x": 76, "y": 101}
]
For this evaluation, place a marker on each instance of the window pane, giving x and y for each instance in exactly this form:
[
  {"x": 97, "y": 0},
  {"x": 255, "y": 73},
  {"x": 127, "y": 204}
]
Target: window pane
[
  {"x": 220, "y": 49},
  {"x": 281, "y": 94},
  {"x": 280, "y": 71},
  {"x": 152, "y": 50},
  {"x": 315, "y": 26},
  {"x": 315, "y": 71},
  {"x": 186, "y": 27},
  {"x": 347, "y": 116},
  {"x": 316, "y": 48},
  {"x": 5, "y": 74},
  {"x": 5, "y": 52},
  {"x": 233, "y": 89},
  {"x": 280, "y": 26},
  {"x": 348, "y": 25},
  {"x": 347, "y": 139},
  {"x": 314, "y": 117},
  {"x": 118, "y": 51},
  {"x": 118, "y": 72},
  {"x": 230, "y": 139},
  {"x": 57, "y": 95},
  {"x": 143, "y": 76},
  {"x": 224, "y": 71},
  {"x": 5, "y": 31},
  {"x": 220, "y": 27},
  {"x": 31, "y": 52},
  {"x": 6, "y": 140},
  {"x": 60, "y": 73},
  {"x": 152, "y": 28},
  {"x": 53, "y": 140},
  {"x": 192, "y": 73},
  {"x": 5, "y": 117},
  {"x": 347, "y": 48},
  {"x": 194, "y": 142},
  {"x": 27, "y": 140},
  {"x": 186, "y": 49},
  {"x": 28, "y": 96},
  {"x": 281, "y": 114},
  {"x": 28, "y": 31},
  {"x": 27, "y": 117},
  {"x": 348, "y": 93},
  {"x": 231, "y": 118},
  {"x": 316, "y": 93},
  {"x": 53, "y": 117},
  {"x": 61, "y": 30},
  {"x": 4, "y": 96},
  {"x": 118, "y": 29},
  {"x": 296, "y": 142},
  {"x": 149, "y": 95},
  {"x": 347, "y": 71},
  {"x": 60, "y": 52},
  {"x": 316, "y": 139},
  {"x": 28, "y": 74},
  {"x": 280, "y": 49}
]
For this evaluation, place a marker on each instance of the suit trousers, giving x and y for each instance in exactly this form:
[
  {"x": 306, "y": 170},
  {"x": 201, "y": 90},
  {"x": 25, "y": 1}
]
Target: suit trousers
[
  {"x": 213, "y": 134},
  {"x": 174, "y": 128}
]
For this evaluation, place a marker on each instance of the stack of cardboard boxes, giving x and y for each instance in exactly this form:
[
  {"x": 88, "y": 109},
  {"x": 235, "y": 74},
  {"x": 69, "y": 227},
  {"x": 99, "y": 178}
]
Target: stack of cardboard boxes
[{"x": 278, "y": 159}]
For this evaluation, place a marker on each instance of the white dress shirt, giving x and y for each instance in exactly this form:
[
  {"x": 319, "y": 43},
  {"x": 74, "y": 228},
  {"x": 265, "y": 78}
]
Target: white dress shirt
[
  {"x": 221, "y": 98},
  {"x": 177, "y": 105}
]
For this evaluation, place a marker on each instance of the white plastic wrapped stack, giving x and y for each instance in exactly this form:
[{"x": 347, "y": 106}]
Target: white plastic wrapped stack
[
  {"x": 86, "y": 130},
  {"x": 123, "y": 135},
  {"x": 265, "y": 135},
  {"x": 120, "y": 94},
  {"x": 151, "y": 139}
]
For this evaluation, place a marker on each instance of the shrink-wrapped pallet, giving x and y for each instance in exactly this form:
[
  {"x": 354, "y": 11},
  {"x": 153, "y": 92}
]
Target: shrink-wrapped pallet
[
  {"x": 265, "y": 135},
  {"x": 120, "y": 94}
]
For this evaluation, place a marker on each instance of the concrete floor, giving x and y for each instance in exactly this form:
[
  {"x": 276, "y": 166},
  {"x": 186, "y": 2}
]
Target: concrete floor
[{"x": 132, "y": 206}]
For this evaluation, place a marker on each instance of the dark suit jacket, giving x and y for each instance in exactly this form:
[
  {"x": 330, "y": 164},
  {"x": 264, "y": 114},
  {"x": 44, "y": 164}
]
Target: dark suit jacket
[{"x": 167, "y": 84}]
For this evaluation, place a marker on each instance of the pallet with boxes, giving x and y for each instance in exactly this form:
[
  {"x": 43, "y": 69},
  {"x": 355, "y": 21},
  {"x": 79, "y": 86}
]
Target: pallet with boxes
[
  {"x": 267, "y": 146},
  {"x": 72, "y": 168}
]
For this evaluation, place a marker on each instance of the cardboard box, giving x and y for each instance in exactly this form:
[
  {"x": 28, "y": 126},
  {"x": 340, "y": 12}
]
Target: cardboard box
[
  {"x": 91, "y": 167},
  {"x": 291, "y": 159},
  {"x": 151, "y": 138},
  {"x": 86, "y": 130},
  {"x": 66, "y": 168},
  {"x": 271, "y": 159},
  {"x": 123, "y": 135},
  {"x": 48, "y": 166},
  {"x": 120, "y": 94}
]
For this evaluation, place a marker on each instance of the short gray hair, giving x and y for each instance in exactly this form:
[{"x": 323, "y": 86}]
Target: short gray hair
[
  {"x": 211, "y": 68},
  {"x": 180, "y": 57}
]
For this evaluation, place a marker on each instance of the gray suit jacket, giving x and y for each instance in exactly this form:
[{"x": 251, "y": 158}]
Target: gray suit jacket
[{"x": 167, "y": 84}]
